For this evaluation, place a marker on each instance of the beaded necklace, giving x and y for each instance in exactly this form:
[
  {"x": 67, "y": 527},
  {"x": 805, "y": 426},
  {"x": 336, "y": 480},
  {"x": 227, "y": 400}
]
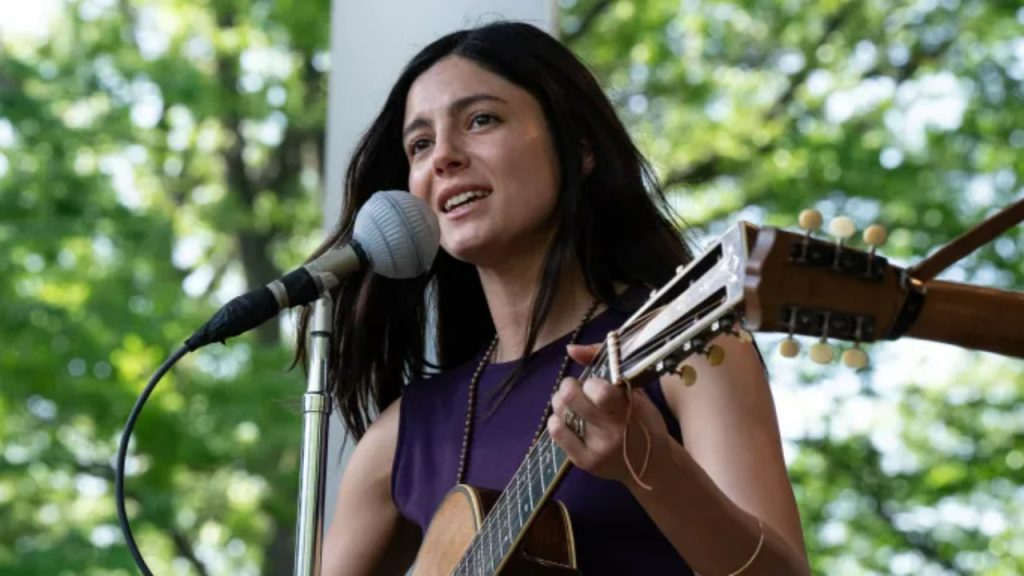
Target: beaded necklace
[{"x": 467, "y": 436}]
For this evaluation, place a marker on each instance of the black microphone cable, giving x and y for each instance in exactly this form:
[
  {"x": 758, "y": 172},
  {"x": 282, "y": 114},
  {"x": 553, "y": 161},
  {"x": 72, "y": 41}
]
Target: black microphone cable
[
  {"x": 401, "y": 238},
  {"x": 122, "y": 455}
]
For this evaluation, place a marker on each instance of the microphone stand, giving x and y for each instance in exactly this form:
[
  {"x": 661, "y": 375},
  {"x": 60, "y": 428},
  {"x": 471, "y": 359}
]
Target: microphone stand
[{"x": 316, "y": 409}]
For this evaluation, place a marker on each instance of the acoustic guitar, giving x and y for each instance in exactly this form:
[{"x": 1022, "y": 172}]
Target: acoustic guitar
[{"x": 750, "y": 279}]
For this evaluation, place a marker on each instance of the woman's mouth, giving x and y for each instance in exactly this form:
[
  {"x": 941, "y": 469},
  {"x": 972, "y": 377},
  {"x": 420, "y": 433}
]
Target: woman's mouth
[{"x": 463, "y": 199}]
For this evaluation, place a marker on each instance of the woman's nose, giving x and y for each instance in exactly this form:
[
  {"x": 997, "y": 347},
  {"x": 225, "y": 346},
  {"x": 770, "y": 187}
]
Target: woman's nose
[{"x": 449, "y": 156}]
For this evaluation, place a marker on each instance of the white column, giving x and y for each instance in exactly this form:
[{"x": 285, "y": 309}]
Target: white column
[{"x": 370, "y": 43}]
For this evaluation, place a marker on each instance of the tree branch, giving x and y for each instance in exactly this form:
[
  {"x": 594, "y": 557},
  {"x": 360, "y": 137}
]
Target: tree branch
[
  {"x": 279, "y": 554},
  {"x": 184, "y": 547},
  {"x": 914, "y": 540},
  {"x": 714, "y": 165},
  {"x": 874, "y": 489},
  {"x": 253, "y": 244},
  {"x": 702, "y": 171},
  {"x": 587, "y": 20},
  {"x": 100, "y": 470},
  {"x": 710, "y": 167},
  {"x": 131, "y": 15},
  {"x": 917, "y": 59},
  {"x": 832, "y": 24},
  {"x": 181, "y": 542},
  {"x": 7, "y": 84},
  {"x": 218, "y": 275},
  {"x": 868, "y": 472}
]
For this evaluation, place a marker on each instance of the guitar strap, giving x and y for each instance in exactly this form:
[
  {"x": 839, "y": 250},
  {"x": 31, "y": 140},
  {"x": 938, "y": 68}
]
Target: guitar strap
[
  {"x": 968, "y": 242},
  {"x": 916, "y": 277}
]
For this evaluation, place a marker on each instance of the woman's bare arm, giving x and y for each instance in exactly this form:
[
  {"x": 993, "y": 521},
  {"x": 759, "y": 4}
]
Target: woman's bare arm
[
  {"x": 367, "y": 534},
  {"x": 724, "y": 499},
  {"x": 734, "y": 451}
]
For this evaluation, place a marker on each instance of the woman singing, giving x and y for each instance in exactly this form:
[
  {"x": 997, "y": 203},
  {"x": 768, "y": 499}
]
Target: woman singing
[{"x": 553, "y": 231}]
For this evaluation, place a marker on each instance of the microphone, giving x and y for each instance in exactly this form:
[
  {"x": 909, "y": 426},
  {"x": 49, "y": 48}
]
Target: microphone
[{"x": 395, "y": 234}]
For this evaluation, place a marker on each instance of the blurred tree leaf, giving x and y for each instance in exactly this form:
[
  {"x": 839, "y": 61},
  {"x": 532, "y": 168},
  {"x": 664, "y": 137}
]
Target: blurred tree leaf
[{"x": 148, "y": 147}]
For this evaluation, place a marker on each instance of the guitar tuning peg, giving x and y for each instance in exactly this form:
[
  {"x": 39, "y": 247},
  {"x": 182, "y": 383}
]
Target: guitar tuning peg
[
  {"x": 855, "y": 358},
  {"x": 875, "y": 236},
  {"x": 789, "y": 348},
  {"x": 715, "y": 354},
  {"x": 822, "y": 353},
  {"x": 688, "y": 374},
  {"x": 810, "y": 220},
  {"x": 842, "y": 227}
]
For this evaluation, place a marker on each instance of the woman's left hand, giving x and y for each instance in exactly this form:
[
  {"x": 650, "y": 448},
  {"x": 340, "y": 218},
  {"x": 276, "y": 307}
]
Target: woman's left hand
[{"x": 604, "y": 409}]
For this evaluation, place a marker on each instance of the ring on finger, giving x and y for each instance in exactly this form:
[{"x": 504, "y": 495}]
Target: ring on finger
[{"x": 574, "y": 422}]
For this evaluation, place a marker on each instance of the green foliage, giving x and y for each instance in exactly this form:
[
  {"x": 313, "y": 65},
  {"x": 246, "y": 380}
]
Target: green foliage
[
  {"x": 153, "y": 146},
  {"x": 908, "y": 114},
  {"x": 147, "y": 147}
]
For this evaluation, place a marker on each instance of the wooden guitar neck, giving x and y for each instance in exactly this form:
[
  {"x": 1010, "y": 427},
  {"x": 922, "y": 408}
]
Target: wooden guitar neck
[{"x": 972, "y": 317}]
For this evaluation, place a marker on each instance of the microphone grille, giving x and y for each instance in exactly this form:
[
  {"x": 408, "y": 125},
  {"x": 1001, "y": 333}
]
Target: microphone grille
[{"x": 399, "y": 234}]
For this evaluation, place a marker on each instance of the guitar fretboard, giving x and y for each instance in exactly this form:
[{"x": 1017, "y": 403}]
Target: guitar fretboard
[
  {"x": 530, "y": 487},
  {"x": 678, "y": 320},
  {"x": 514, "y": 510}
]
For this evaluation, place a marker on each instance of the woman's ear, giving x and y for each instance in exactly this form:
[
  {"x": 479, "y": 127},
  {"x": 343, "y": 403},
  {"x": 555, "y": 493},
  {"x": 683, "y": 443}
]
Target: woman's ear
[{"x": 588, "y": 157}]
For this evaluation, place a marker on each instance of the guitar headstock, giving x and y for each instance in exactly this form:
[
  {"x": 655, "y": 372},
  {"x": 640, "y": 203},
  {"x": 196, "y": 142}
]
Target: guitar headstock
[
  {"x": 767, "y": 280},
  {"x": 682, "y": 317},
  {"x": 798, "y": 284}
]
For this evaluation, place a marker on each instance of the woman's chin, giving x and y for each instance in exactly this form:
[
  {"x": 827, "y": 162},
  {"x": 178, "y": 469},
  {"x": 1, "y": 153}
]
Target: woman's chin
[
  {"x": 470, "y": 254},
  {"x": 479, "y": 252},
  {"x": 490, "y": 250}
]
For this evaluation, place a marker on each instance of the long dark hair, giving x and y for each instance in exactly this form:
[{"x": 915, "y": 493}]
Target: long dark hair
[{"x": 612, "y": 219}]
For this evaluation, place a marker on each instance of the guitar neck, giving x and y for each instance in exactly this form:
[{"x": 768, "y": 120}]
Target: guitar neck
[
  {"x": 506, "y": 523},
  {"x": 531, "y": 486},
  {"x": 972, "y": 317}
]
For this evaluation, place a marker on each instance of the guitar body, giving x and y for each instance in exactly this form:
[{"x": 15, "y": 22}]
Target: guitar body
[{"x": 547, "y": 547}]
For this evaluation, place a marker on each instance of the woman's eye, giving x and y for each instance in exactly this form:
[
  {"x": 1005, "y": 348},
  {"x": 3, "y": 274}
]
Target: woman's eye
[
  {"x": 482, "y": 120},
  {"x": 418, "y": 145}
]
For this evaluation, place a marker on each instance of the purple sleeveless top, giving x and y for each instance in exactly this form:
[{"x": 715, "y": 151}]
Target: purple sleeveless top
[{"x": 613, "y": 533}]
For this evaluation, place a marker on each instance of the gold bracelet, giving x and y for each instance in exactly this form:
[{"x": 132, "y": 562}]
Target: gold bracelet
[{"x": 760, "y": 543}]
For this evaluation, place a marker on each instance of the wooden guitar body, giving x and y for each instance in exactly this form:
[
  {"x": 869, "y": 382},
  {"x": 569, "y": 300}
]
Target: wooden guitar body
[{"x": 546, "y": 548}]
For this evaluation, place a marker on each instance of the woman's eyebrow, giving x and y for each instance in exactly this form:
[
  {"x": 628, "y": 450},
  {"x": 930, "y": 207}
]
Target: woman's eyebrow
[{"x": 453, "y": 109}]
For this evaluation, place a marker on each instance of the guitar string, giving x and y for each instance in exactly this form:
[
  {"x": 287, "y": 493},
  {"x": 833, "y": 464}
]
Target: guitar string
[
  {"x": 599, "y": 359},
  {"x": 545, "y": 442},
  {"x": 540, "y": 428},
  {"x": 501, "y": 503},
  {"x": 624, "y": 335},
  {"x": 627, "y": 336},
  {"x": 638, "y": 356}
]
